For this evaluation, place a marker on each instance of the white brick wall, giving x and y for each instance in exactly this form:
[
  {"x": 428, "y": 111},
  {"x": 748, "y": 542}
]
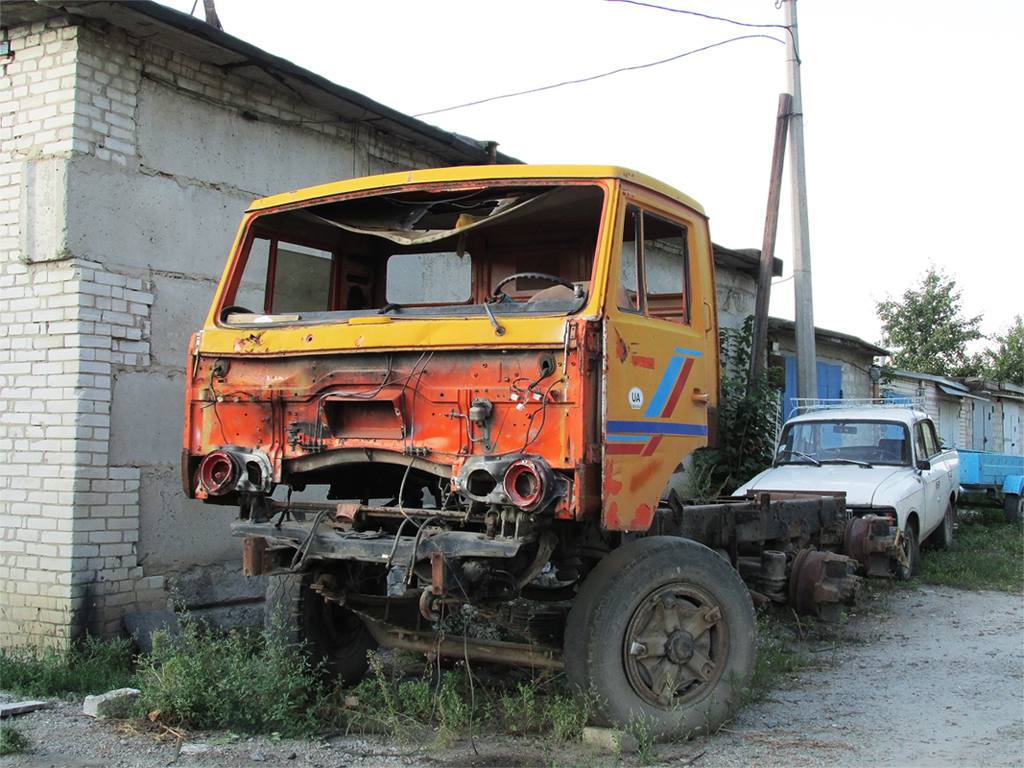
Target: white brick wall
[{"x": 68, "y": 521}]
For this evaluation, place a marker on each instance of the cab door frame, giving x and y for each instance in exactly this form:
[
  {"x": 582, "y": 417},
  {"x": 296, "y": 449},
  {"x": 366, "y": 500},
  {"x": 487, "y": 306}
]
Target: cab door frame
[{"x": 660, "y": 374}]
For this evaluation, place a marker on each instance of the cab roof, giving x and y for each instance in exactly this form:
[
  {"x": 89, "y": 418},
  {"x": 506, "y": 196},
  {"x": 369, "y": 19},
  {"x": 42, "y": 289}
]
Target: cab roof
[{"x": 461, "y": 173}]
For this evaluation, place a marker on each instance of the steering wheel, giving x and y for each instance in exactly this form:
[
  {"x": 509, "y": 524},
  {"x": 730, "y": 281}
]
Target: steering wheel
[{"x": 534, "y": 276}]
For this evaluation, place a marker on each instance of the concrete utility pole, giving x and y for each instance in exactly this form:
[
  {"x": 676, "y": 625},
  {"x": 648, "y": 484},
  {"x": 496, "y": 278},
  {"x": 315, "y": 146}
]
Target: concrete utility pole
[{"x": 806, "y": 355}]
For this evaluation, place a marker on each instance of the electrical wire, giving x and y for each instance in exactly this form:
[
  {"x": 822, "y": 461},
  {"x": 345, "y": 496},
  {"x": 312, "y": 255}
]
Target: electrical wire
[
  {"x": 597, "y": 77},
  {"x": 543, "y": 416},
  {"x": 778, "y": 5},
  {"x": 702, "y": 15},
  {"x": 223, "y": 434},
  {"x": 303, "y": 550}
]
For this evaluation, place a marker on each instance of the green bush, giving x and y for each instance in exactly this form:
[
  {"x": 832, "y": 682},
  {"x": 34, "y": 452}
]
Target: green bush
[
  {"x": 233, "y": 681},
  {"x": 747, "y": 414}
]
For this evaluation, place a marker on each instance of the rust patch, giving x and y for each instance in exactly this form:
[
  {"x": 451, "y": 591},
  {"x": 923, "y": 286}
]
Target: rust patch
[
  {"x": 643, "y": 475},
  {"x": 250, "y": 342},
  {"x": 642, "y": 520},
  {"x": 620, "y": 348},
  {"x": 639, "y": 361},
  {"x": 611, "y": 518},
  {"x": 612, "y": 487}
]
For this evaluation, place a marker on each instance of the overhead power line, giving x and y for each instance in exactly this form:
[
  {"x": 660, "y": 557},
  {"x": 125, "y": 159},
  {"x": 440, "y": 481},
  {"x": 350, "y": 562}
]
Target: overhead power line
[
  {"x": 700, "y": 15},
  {"x": 604, "y": 74},
  {"x": 778, "y": 4}
]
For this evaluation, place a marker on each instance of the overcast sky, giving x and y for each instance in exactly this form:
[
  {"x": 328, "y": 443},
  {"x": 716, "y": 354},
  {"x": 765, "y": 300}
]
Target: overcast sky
[{"x": 913, "y": 117}]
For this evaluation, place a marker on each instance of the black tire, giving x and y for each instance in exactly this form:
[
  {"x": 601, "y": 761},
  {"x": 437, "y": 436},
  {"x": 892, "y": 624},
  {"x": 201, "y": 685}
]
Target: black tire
[
  {"x": 327, "y": 632},
  {"x": 630, "y": 604},
  {"x": 942, "y": 536},
  {"x": 912, "y": 551},
  {"x": 1013, "y": 507}
]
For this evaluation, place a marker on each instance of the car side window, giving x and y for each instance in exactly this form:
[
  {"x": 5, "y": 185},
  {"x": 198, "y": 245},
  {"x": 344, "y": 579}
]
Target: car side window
[{"x": 927, "y": 443}]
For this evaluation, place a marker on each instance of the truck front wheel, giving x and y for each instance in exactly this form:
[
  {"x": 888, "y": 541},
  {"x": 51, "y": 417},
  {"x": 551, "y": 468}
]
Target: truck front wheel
[
  {"x": 325, "y": 631},
  {"x": 662, "y": 633}
]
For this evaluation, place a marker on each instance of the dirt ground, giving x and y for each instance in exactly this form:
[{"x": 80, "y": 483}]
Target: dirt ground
[{"x": 932, "y": 677}]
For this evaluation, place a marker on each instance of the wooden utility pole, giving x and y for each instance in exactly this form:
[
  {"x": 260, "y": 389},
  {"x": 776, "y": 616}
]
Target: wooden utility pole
[
  {"x": 209, "y": 6},
  {"x": 759, "y": 347},
  {"x": 806, "y": 355}
]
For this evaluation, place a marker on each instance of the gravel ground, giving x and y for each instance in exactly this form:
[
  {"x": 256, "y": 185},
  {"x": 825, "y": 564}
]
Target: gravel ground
[{"x": 932, "y": 677}]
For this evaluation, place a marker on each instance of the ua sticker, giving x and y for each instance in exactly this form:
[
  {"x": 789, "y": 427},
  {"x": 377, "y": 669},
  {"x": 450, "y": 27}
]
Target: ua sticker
[{"x": 636, "y": 398}]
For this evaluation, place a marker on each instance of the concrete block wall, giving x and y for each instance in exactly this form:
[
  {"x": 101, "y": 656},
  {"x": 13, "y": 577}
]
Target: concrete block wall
[{"x": 124, "y": 169}]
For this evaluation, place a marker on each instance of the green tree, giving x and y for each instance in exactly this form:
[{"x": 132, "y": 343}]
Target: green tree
[
  {"x": 1006, "y": 361},
  {"x": 926, "y": 329}
]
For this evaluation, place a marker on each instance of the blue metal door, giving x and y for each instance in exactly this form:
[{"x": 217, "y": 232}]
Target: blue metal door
[{"x": 830, "y": 384}]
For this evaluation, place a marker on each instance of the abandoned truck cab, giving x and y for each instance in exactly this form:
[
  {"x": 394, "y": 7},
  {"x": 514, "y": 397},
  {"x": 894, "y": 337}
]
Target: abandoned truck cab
[{"x": 470, "y": 386}]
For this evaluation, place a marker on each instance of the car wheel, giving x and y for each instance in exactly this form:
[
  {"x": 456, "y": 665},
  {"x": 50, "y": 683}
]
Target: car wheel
[
  {"x": 328, "y": 633},
  {"x": 911, "y": 553},
  {"x": 1013, "y": 507},
  {"x": 663, "y": 631},
  {"x": 942, "y": 536}
]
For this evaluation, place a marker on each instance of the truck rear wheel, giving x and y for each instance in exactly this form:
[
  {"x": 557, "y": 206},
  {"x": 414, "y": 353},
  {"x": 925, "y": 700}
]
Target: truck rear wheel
[
  {"x": 662, "y": 633},
  {"x": 325, "y": 631}
]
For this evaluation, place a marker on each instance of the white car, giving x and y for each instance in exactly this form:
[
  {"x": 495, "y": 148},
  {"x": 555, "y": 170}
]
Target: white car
[{"x": 887, "y": 460}]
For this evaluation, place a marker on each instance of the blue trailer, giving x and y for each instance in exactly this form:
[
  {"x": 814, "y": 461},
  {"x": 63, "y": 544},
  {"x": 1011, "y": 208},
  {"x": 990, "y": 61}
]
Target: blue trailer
[{"x": 995, "y": 474}]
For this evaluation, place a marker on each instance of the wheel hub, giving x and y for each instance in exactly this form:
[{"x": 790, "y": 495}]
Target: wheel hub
[
  {"x": 672, "y": 646},
  {"x": 679, "y": 648}
]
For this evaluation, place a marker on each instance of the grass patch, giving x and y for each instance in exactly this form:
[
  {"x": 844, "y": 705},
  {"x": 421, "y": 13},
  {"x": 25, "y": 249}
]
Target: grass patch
[
  {"x": 443, "y": 705},
  {"x": 12, "y": 741},
  {"x": 987, "y": 553},
  {"x": 93, "y": 667}
]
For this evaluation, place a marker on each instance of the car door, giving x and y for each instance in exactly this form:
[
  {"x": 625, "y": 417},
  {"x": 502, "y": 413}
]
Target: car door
[{"x": 936, "y": 475}]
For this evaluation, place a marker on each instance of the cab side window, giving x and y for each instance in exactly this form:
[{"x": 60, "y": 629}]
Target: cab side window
[
  {"x": 628, "y": 294},
  {"x": 666, "y": 269},
  {"x": 654, "y": 270}
]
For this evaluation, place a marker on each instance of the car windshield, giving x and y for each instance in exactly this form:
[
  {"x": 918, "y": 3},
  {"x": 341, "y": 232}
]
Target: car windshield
[
  {"x": 438, "y": 251},
  {"x": 844, "y": 442}
]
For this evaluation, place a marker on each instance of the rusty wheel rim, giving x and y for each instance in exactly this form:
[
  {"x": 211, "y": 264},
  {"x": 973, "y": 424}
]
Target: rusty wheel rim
[{"x": 675, "y": 646}]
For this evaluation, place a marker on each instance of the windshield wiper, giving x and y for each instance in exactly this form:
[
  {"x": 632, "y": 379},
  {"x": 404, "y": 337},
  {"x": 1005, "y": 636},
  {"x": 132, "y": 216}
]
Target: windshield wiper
[
  {"x": 803, "y": 456},
  {"x": 849, "y": 461},
  {"x": 498, "y": 329},
  {"x": 388, "y": 307}
]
